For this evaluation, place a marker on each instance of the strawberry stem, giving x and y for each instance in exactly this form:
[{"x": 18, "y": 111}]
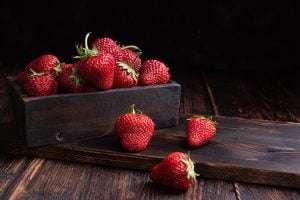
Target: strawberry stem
[
  {"x": 86, "y": 45},
  {"x": 131, "y": 109},
  {"x": 134, "y": 48},
  {"x": 85, "y": 51}
]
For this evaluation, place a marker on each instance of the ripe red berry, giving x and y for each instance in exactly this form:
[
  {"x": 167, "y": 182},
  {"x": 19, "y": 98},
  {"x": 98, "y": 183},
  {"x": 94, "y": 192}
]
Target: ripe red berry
[
  {"x": 154, "y": 72},
  {"x": 176, "y": 171},
  {"x": 125, "y": 76},
  {"x": 99, "y": 70},
  {"x": 71, "y": 81},
  {"x": 43, "y": 64},
  {"x": 96, "y": 67},
  {"x": 108, "y": 45},
  {"x": 40, "y": 84},
  {"x": 134, "y": 130},
  {"x": 200, "y": 130},
  {"x": 132, "y": 59}
]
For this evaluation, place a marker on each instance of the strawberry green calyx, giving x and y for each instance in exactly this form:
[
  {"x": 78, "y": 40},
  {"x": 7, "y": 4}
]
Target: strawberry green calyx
[
  {"x": 131, "y": 109},
  {"x": 85, "y": 51},
  {"x": 130, "y": 71},
  {"x": 133, "y": 48},
  {"x": 75, "y": 76},
  {"x": 190, "y": 169},
  {"x": 58, "y": 69}
]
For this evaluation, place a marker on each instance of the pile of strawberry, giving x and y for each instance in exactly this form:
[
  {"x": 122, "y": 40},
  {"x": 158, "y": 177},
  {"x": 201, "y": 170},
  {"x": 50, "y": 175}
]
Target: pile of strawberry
[
  {"x": 176, "y": 170},
  {"x": 104, "y": 66}
]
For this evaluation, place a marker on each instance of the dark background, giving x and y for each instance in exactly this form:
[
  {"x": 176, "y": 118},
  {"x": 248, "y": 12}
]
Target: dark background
[{"x": 231, "y": 35}]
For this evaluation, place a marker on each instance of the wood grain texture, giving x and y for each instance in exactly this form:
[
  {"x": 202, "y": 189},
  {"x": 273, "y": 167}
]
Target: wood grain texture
[
  {"x": 24, "y": 180},
  {"x": 215, "y": 189},
  {"x": 67, "y": 118},
  {"x": 244, "y": 86},
  {"x": 62, "y": 180},
  {"x": 10, "y": 169},
  {"x": 194, "y": 98}
]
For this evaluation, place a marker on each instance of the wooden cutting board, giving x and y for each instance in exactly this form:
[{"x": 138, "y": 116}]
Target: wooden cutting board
[{"x": 253, "y": 151}]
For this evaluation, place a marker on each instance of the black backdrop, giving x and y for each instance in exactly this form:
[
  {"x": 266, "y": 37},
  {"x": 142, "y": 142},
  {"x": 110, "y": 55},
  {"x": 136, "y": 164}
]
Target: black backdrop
[{"x": 235, "y": 34}]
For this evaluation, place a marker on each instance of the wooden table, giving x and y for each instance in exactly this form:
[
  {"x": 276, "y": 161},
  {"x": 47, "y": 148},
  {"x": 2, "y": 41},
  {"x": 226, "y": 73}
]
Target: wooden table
[{"x": 243, "y": 94}]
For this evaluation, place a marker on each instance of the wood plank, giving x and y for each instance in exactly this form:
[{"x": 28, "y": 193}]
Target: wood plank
[
  {"x": 258, "y": 192},
  {"x": 216, "y": 189},
  {"x": 24, "y": 180},
  {"x": 57, "y": 180},
  {"x": 194, "y": 98},
  {"x": 231, "y": 96},
  {"x": 266, "y": 88},
  {"x": 284, "y": 91},
  {"x": 10, "y": 169}
]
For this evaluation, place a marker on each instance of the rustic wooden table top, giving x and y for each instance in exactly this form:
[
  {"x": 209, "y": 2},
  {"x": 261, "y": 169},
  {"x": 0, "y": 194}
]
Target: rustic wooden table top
[{"x": 243, "y": 94}]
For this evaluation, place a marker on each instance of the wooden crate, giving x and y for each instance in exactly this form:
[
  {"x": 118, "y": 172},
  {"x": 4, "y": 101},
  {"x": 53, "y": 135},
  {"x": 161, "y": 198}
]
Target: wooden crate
[{"x": 71, "y": 117}]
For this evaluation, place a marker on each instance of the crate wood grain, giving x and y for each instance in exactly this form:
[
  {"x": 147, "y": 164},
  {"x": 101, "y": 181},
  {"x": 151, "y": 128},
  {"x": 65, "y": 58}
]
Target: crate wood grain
[
  {"x": 70, "y": 117},
  {"x": 253, "y": 151}
]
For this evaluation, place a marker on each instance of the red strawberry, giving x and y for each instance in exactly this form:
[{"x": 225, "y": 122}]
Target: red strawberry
[
  {"x": 154, "y": 72},
  {"x": 200, "y": 130},
  {"x": 131, "y": 58},
  {"x": 125, "y": 76},
  {"x": 20, "y": 78},
  {"x": 98, "y": 68},
  {"x": 134, "y": 130},
  {"x": 45, "y": 63},
  {"x": 71, "y": 81},
  {"x": 40, "y": 84},
  {"x": 108, "y": 45},
  {"x": 176, "y": 171}
]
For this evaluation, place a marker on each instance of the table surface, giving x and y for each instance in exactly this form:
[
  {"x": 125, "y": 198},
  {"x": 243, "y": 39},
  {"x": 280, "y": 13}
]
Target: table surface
[{"x": 244, "y": 94}]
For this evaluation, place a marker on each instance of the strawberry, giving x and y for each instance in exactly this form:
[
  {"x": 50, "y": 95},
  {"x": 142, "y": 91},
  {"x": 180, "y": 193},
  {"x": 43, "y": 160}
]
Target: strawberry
[
  {"x": 176, "y": 171},
  {"x": 131, "y": 58},
  {"x": 125, "y": 76},
  {"x": 154, "y": 72},
  {"x": 134, "y": 130},
  {"x": 128, "y": 54},
  {"x": 20, "y": 78},
  {"x": 200, "y": 130},
  {"x": 45, "y": 63},
  {"x": 71, "y": 81},
  {"x": 96, "y": 67},
  {"x": 108, "y": 45},
  {"x": 40, "y": 84}
]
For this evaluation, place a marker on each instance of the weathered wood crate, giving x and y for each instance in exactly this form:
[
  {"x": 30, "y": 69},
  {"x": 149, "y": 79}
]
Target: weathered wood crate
[{"x": 71, "y": 117}]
